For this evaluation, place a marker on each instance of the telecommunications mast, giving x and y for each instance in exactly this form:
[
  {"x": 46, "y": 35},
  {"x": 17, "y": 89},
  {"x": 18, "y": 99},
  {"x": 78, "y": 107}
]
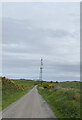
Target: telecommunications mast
[{"x": 41, "y": 67}]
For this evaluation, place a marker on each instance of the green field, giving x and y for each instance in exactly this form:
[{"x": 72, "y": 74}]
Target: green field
[
  {"x": 64, "y": 98},
  {"x": 12, "y": 90},
  {"x": 67, "y": 84},
  {"x": 24, "y": 82}
]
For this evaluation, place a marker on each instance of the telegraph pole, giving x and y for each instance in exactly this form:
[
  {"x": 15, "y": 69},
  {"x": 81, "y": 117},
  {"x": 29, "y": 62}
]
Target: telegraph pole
[{"x": 41, "y": 67}]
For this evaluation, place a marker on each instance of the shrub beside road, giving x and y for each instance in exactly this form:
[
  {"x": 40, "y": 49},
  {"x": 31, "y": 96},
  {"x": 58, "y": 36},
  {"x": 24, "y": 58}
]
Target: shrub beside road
[{"x": 12, "y": 90}]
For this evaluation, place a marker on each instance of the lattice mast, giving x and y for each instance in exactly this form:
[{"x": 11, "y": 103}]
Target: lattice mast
[{"x": 41, "y": 67}]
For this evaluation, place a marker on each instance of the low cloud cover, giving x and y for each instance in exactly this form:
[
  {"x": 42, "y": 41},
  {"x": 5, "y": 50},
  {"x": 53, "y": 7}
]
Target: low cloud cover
[{"x": 35, "y": 30}]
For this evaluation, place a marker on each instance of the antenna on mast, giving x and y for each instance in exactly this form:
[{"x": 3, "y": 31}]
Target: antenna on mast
[{"x": 41, "y": 67}]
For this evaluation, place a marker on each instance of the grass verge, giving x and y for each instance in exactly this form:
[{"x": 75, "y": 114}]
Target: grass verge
[
  {"x": 13, "y": 90},
  {"x": 65, "y": 102}
]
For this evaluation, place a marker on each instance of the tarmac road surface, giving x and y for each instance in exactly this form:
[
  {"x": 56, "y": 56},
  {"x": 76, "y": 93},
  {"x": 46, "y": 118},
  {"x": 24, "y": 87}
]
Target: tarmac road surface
[{"x": 31, "y": 105}]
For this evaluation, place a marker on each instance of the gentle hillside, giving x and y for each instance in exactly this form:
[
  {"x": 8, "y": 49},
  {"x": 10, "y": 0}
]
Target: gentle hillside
[
  {"x": 24, "y": 82},
  {"x": 13, "y": 90}
]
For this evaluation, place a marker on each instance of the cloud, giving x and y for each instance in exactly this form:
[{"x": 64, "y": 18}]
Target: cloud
[{"x": 41, "y": 31}]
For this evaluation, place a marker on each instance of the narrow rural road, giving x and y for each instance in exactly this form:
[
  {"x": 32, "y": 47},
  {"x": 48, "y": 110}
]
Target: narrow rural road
[{"x": 31, "y": 105}]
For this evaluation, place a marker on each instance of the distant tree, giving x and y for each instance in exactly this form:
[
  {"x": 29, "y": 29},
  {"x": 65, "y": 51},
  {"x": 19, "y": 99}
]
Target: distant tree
[
  {"x": 51, "y": 81},
  {"x": 56, "y": 81}
]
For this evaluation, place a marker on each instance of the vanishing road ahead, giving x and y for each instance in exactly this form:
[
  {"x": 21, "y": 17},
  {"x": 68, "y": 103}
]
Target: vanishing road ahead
[{"x": 31, "y": 105}]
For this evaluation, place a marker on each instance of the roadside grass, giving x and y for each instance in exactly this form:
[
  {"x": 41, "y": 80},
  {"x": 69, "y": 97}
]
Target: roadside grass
[
  {"x": 0, "y": 95},
  {"x": 0, "y": 100},
  {"x": 64, "y": 99},
  {"x": 13, "y": 90}
]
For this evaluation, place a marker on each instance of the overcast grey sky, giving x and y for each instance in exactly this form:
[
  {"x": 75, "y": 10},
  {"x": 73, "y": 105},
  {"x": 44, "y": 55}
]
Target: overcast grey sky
[{"x": 35, "y": 30}]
